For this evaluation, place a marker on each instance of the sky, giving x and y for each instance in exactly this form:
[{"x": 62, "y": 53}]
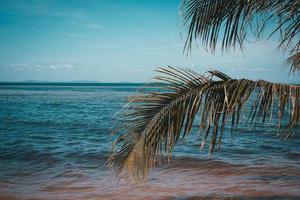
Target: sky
[{"x": 115, "y": 41}]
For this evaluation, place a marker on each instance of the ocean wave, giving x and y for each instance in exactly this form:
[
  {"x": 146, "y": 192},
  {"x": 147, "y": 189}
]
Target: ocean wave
[{"x": 55, "y": 142}]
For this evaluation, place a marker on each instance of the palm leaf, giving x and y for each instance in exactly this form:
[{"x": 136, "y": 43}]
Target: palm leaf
[
  {"x": 229, "y": 21},
  {"x": 154, "y": 121},
  {"x": 294, "y": 61}
]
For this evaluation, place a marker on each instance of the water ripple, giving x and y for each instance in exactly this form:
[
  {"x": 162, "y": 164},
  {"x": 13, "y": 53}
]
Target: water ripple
[{"x": 55, "y": 141}]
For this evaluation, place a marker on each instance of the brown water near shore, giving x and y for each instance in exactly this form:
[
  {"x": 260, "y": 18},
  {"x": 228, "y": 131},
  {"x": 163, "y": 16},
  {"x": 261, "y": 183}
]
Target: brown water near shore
[{"x": 181, "y": 179}]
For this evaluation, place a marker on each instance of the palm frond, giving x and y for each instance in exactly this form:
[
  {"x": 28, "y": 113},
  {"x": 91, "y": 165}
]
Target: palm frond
[
  {"x": 294, "y": 62},
  {"x": 154, "y": 121},
  {"x": 229, "y": 22}
]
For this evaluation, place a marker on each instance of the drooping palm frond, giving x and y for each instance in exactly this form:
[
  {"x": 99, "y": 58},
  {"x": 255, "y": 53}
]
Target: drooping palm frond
[
  {"x": 294, "y": 61},
  {"x": 154, "y": 121},
  {"x": 231, "y": 20}
]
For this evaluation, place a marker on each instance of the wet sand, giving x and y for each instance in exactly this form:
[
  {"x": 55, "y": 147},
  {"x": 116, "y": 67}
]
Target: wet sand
[{"x": 181, "y": 179}]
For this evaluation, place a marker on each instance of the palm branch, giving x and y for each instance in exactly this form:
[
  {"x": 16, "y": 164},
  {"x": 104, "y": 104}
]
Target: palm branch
[
  {"x": 154, "y": 121},
  {"x": 231, "y": 20}
]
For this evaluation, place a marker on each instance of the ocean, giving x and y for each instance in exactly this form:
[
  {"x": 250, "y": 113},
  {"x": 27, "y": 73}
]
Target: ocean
[{"x": 55, "y": 139}]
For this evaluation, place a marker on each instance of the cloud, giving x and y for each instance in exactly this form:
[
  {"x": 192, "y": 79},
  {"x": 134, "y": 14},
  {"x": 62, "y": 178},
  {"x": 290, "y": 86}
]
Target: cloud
[
  {"x": 94, "y": 26},
  {"x": 251, "y": 69},
  {"x": 87, "y": 24},
  {"x": 40, "y": 67}
]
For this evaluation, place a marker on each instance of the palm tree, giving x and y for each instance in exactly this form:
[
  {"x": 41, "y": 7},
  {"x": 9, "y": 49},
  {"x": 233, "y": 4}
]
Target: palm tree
[{"x": 152, "y": 123}]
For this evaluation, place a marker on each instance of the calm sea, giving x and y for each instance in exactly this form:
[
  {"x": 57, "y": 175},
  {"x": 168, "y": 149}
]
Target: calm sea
[{"x": 55, "y": 139}]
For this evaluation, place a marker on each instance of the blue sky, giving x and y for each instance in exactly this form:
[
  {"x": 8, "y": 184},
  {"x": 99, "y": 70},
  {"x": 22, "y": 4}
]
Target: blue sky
[{"x": 113, "y": 41}]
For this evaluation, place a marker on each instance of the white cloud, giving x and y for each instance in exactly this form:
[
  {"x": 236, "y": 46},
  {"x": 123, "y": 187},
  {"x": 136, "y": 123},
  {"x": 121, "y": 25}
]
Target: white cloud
[
  {"x": 87, "y": 24},
  {"x": 251, "y": 69},
  {"x": 94, "y": 26},
  {"x": 40, "y": 67}
]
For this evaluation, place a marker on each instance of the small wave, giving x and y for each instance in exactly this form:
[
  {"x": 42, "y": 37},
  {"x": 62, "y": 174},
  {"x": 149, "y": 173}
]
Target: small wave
[{"x": 293, "y": 155}]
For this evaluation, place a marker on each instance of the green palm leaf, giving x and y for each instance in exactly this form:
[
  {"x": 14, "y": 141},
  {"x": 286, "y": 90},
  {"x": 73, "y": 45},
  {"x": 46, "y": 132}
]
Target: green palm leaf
[
  {"x": 231, "y": 20},
  {"x": 154, "y": 121}
]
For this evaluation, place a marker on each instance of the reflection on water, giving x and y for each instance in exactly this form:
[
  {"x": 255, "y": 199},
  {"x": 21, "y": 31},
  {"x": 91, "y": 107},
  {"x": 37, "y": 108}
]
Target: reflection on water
[{"x": 55, "y": 141}]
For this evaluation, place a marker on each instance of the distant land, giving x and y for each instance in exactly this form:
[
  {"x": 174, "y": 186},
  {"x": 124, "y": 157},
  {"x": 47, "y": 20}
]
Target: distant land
[
  {"x": 75, "y": 81},
  {"x": 43, "y": 81},
  {"x": 81, "y": 83},
  {"x": 67, "y": 83}
]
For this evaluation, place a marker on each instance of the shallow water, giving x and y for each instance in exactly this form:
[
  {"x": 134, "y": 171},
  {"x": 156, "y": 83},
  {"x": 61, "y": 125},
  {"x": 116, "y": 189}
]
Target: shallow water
[{"x": 55, "y": 140}]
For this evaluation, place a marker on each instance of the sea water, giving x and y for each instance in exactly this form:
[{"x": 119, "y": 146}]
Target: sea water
[{"x": 55, "y": 140}]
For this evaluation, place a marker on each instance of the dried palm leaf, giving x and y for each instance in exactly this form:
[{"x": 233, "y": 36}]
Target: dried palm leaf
[{"x": 154, "y": 121}]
